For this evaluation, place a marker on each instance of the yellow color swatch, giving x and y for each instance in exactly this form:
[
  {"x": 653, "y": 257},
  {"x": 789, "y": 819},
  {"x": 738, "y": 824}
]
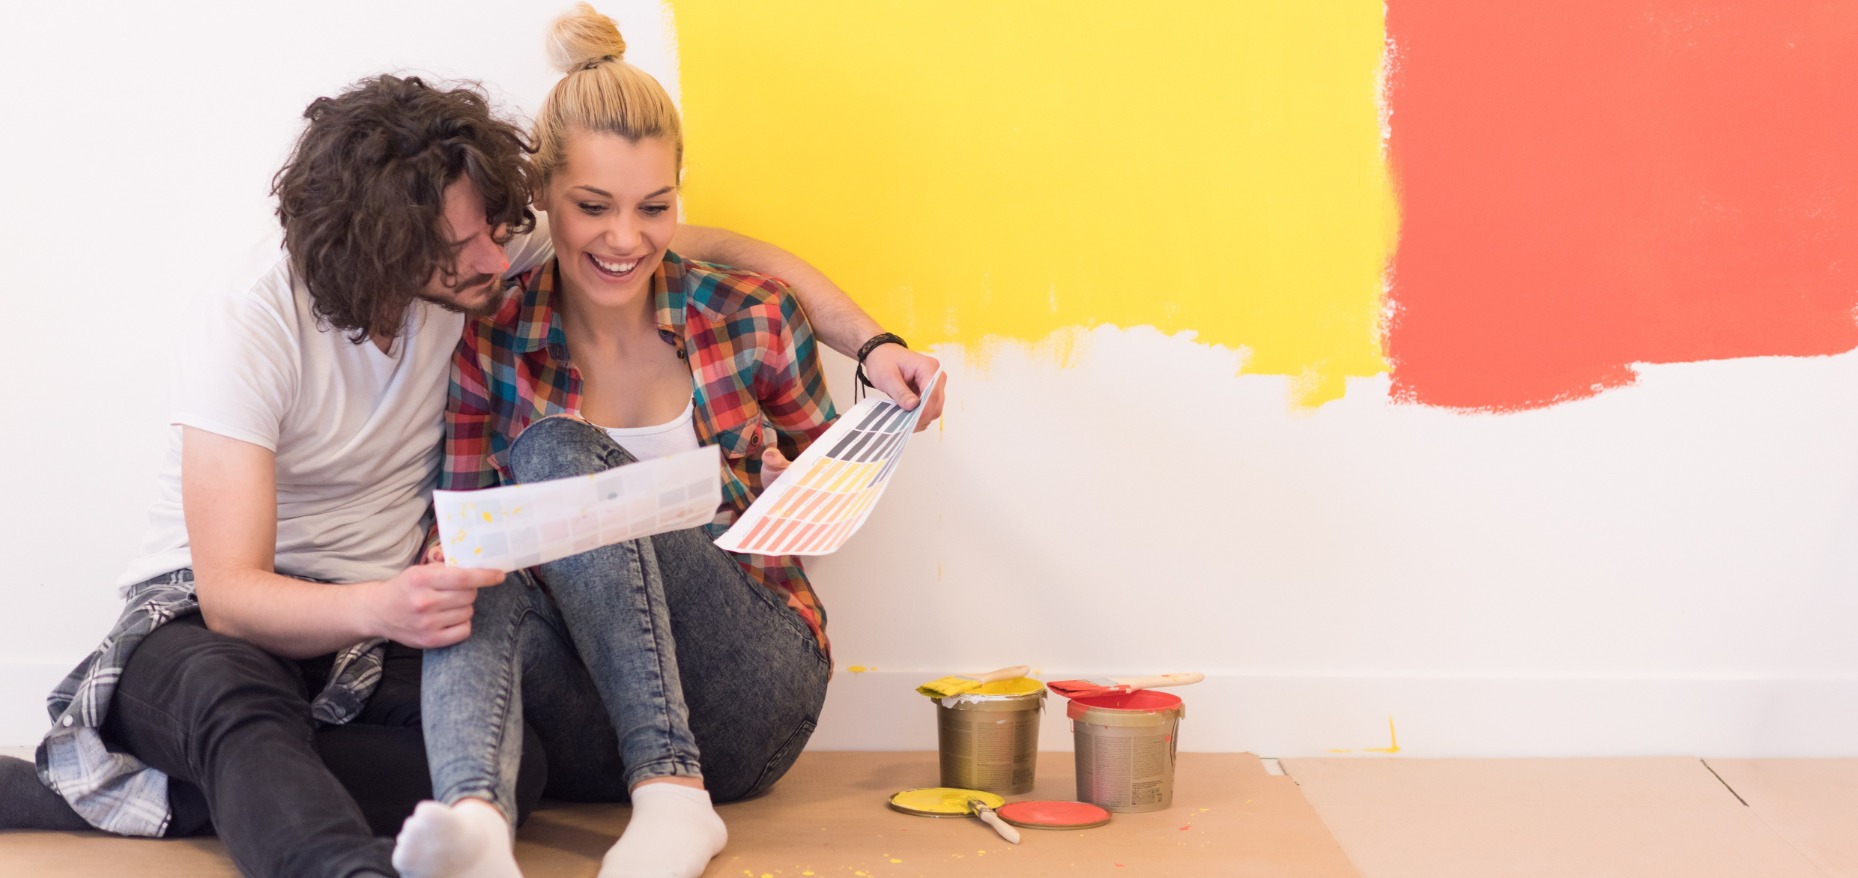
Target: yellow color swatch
[{"x": 1011, "y": 169}]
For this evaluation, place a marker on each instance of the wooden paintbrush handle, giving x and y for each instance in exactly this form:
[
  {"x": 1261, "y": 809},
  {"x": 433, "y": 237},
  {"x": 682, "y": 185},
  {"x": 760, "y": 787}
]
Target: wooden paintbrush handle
[
  {"x": 1004, "y": 673},
  {"x": 1160, "y": 680},
  {"x": 1007, "y": 830}
]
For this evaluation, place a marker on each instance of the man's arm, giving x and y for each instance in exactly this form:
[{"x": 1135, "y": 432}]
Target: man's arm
[
  {"x": 229, "y": 492},
  {"x": 838, "y": 321}
]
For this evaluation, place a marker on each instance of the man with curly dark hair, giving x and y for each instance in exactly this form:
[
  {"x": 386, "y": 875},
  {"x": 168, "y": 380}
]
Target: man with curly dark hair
[
  {"x": 363, "y": 200},
  {"x": 263, "y": 678}
]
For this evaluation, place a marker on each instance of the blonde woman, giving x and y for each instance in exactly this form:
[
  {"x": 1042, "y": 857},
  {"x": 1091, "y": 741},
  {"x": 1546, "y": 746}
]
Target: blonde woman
[{"x": 662, "y": 671}]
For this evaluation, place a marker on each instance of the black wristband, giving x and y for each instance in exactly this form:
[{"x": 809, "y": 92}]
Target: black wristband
[{"x": 876, "y": 341}]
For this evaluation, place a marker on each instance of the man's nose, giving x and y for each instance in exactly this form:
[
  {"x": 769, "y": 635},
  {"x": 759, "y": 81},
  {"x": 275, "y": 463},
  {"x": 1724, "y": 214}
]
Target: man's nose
[{"x": 490, "y": 258}]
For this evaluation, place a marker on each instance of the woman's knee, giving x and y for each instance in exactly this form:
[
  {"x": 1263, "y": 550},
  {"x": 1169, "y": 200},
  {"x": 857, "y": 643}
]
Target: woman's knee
[{"x": 560, "y": 447}]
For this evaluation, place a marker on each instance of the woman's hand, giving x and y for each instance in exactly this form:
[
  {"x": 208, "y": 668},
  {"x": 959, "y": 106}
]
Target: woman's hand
[{"x": 773, "y": 464}]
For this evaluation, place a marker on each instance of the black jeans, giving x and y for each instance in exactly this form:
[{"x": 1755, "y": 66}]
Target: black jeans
[{"x": 230, "y": 725}]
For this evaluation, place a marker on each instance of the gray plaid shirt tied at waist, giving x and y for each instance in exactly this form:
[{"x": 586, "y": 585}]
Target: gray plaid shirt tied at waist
[{"x": 115, "y": 791}]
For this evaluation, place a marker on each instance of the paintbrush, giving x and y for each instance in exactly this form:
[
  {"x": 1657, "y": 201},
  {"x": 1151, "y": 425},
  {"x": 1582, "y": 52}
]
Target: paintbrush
[
  {"x": 948, "y": 686},
  {"x": 988, "y": 817},
  {"x": 1114, "y": 685}
]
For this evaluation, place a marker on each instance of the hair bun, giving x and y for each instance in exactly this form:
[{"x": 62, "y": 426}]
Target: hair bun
[{"x": 582, "y": 36}]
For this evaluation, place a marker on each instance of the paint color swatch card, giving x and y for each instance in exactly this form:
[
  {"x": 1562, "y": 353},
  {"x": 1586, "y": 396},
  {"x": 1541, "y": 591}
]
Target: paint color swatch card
[
  {"x": 518, "y": 526},
  {"x": 826, "y": 495}
]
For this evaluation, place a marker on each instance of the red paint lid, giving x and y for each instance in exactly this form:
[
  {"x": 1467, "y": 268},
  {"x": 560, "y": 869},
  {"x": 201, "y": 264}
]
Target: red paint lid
[
  {"x": 1053, "y": 815},
  {"x": 1142, "y": 700}
]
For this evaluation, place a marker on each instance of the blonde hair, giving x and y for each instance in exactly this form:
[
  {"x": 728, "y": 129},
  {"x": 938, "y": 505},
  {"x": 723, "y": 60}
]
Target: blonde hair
[{"x": 600, "y": 91}]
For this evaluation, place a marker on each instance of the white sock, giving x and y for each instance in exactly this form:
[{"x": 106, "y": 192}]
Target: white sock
[
  {"x": 673, "y": 834},
  {"x": 469, "y": 839}
]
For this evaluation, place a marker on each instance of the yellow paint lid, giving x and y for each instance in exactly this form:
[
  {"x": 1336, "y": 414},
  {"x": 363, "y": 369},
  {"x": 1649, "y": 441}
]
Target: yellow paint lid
[{"x": 942, "y": 801}]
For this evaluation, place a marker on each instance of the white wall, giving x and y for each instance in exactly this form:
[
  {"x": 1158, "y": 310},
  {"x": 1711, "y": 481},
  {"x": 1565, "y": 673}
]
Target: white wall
[
  {"x": 141, "y": 140},
  {"x": 1663, "y": 569}
]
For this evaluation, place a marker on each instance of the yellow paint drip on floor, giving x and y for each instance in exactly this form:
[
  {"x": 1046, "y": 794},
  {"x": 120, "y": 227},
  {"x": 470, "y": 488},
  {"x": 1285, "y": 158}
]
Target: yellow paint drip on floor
[{"x": 977, "y": 171}]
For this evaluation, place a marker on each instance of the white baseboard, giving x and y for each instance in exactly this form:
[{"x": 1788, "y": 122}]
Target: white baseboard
[
  {"x": 1316, "y": 715},
  {"x": 1427, "y": 716}
]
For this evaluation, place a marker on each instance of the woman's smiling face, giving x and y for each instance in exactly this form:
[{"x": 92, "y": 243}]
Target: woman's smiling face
[{"x": 612, "y": 208}]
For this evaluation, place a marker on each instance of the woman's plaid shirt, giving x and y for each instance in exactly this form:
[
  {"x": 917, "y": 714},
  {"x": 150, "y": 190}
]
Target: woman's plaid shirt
[{"x": 754, "y": 369}]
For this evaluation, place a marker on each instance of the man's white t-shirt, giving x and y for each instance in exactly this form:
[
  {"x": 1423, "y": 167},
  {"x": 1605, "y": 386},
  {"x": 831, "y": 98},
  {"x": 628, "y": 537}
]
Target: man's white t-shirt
[{"x": 357, "y": 432}]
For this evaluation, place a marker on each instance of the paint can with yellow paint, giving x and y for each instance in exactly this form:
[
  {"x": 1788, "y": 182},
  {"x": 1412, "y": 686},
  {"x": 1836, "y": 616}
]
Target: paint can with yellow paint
[
  {"x": 1125, "y": 749},
  {"x": 989, "y": 737}
]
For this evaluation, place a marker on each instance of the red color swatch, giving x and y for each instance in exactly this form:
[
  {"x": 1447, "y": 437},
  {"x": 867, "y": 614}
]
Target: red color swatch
[{"x": 1589, "y": 184}]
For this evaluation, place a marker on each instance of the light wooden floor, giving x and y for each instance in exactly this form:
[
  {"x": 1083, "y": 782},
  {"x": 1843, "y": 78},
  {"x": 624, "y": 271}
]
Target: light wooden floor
[
  {"x": 1379, "y": 817},
  {"x": 1593, "y": 818}
]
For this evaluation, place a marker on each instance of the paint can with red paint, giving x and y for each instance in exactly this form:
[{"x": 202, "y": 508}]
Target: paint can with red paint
[
  {"x": 1125, "y": 748},
  {"x": 989, "y": 737}
]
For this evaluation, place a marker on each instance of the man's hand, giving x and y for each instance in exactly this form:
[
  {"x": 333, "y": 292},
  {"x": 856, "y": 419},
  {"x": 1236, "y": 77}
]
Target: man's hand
[
  {"x": 900, "y": 372},
  {"x": 430, "y": 605}
]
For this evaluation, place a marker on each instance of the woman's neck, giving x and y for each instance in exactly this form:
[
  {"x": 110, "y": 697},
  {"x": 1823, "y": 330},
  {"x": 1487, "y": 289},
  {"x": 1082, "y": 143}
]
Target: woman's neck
[{"x": 606, "y": 326}]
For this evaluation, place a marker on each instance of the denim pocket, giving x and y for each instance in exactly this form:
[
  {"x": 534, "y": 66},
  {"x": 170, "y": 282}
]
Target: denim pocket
[{"x": 782, "y": 759}]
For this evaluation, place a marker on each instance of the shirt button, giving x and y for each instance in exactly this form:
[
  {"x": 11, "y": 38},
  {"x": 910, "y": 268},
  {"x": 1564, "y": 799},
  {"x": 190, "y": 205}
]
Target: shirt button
[
  {"x": 69, "y": 721},
  {"x": 755, "y": 439}
]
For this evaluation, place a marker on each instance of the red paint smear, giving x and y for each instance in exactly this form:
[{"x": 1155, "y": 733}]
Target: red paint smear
[{"x": 1594, "y": 183}]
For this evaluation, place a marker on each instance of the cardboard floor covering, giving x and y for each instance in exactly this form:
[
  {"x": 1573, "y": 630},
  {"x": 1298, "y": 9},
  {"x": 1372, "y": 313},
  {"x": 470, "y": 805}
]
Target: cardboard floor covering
[
  {"x": 1813, "y": 803},
  {"x": 828, "y": 819},
  {"x": 1519, "y": 818}
]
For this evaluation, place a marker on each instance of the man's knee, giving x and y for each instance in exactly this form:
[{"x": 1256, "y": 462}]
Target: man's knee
[
  {"x": 200, "y": 678},
  {"x": 186, "y": 692}
]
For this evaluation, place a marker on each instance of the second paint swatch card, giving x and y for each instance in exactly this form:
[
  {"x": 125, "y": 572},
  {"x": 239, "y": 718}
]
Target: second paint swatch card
[{"x": 828, "y": 493}]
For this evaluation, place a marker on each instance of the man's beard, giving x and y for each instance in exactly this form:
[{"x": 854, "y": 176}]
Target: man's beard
[{"x": 449, "y": 302}]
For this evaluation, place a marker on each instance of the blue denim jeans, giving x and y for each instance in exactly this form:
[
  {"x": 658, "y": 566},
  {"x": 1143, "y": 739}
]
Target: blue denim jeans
[{"x": 651, "y": 658}]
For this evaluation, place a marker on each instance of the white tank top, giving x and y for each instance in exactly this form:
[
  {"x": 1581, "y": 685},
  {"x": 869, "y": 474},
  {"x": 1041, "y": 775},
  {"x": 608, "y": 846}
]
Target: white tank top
[{"x": 662, "y": 440}]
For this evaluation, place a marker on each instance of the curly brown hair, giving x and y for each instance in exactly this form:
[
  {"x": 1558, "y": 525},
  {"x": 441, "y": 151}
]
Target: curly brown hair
[{"x": 362, "y": 196}]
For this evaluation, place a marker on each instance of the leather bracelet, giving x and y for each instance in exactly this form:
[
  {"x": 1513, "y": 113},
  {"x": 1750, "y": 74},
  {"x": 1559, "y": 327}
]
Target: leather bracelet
[
  {"x": 877, "y": 341},
  {"x": 864, "y": 350}
]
